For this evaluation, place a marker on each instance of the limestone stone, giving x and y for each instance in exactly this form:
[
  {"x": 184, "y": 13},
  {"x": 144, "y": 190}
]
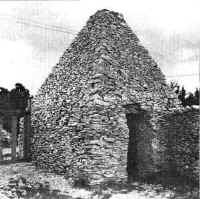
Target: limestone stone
[{"x": 80, "y": 112}]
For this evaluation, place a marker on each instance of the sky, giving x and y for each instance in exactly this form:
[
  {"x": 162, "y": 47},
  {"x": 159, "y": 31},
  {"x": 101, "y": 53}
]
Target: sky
[{"x": 33, "y": 35}]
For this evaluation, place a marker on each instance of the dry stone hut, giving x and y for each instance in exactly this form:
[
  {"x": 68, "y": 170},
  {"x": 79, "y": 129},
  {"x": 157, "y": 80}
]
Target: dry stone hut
[{"x": 96, "y": 112}]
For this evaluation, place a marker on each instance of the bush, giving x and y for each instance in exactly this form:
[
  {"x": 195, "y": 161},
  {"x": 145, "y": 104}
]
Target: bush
[{"x": 81, "y": 180}]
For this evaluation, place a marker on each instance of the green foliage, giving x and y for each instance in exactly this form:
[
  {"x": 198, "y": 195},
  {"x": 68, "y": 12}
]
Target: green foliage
[
  {"x": 186, "y": 100},
  {"x": 14, "y": 99},
  {"x": 81, "y": 180}
]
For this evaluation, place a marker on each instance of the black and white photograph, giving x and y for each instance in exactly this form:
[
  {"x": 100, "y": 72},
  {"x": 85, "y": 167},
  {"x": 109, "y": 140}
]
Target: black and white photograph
[{"x": 99, "y": 99}]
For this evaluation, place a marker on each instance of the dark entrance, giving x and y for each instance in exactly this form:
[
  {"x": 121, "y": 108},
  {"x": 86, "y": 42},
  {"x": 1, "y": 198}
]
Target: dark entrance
[{"x": 133, "y": 122}]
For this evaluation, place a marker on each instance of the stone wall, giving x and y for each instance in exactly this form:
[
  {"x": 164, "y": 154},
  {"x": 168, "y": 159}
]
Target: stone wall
[
  {"x": 79, "y": 113},
  {"x": 179, "y": 142}
]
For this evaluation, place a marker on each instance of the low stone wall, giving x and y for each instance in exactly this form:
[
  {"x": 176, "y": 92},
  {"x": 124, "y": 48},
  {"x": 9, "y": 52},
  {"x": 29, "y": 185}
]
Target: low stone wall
[{"x": 178, "y": 140}]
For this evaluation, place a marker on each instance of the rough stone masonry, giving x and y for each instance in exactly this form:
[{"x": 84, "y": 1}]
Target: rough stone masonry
[{"x": 96, "y": 112}]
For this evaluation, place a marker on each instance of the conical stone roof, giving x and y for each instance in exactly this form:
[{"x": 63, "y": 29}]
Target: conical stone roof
[{"x": 82, "y": 101}]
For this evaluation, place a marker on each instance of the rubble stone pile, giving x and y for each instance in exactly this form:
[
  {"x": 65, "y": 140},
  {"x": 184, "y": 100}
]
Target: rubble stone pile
[{"x": 80, "y": 111}]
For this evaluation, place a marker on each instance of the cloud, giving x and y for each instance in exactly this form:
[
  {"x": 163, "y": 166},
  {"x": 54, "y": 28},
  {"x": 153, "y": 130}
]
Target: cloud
[
  {"x": 38, "y": 27},
  {"x": 171, "y": 33}
]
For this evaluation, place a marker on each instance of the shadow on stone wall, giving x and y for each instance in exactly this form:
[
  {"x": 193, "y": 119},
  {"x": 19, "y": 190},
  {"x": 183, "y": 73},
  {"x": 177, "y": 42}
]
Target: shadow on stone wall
[{"x": 179, "y": 141}]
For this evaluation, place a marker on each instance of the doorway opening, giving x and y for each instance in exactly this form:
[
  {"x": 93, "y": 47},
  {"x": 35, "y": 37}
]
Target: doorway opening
[{"x": 133, "y": 122}]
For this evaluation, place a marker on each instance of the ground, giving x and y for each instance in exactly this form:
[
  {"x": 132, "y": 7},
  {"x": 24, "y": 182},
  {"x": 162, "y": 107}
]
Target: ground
[{"x": 23, "y": 180}]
